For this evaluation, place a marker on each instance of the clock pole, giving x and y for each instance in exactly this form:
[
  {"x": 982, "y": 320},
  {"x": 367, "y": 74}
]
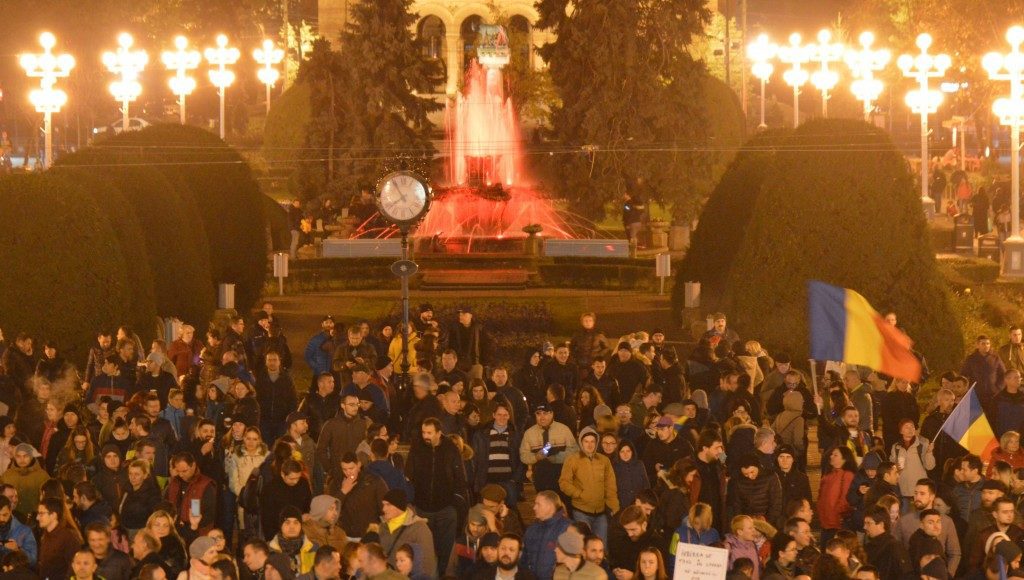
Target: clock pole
[{"x": 405, "y": 213}]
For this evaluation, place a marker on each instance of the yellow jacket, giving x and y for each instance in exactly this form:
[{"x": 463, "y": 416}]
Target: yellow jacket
[{"x": 590, "y": 482}]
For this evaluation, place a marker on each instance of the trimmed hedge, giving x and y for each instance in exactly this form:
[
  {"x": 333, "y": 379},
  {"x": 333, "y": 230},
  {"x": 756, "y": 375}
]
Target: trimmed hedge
[
  {"x": 276, "y": 219},
  {"x": 839, "y": 205},
  {"x": 284, "y": 135},
  {"x": 64, "y": 269},
  {"x": 726, "y": 216},
  {"x": 222, "y": 186},
  {"x": 141, "y": 304},
  {"x": 176, "y": 250}
]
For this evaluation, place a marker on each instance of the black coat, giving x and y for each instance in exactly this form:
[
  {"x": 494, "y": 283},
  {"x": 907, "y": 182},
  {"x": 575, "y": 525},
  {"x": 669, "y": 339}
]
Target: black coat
[
  {"x": 795, "y": 485},
  {"x": 657, "y": 452},
  {"x": 631, "y": 375},
  {"x": 276, "y": 398},
  {"x": 276, "y": 495},
  {"x": 896, "y": 406},
  {"x": 135, "y": 507},
  {"x": 437, "y": 474},
  {"x": 756, "y": 497},
  {"x": 530, "y": 380},
  {"x": 889, "y": 556},
  {"x": 319, "y": 409}
]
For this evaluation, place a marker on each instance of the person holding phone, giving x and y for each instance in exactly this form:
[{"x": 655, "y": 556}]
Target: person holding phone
[
  {"x": 194, "y": 496},
  {"x": 14, "y": 535},
  {"x": 545, "y": 446}
]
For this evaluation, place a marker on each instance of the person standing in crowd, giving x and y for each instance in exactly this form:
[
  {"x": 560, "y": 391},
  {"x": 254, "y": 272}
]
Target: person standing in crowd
[
  {"x": 924, "y": 500},
  {"x": 545, "y": 447},
  {"x": 984, "y": 369},
  {"x": 340, "y": 435},
  {"x": 359, "y": 493},
  {"x": 436, "y": 471},
  {"x": 588, "y": 479}
]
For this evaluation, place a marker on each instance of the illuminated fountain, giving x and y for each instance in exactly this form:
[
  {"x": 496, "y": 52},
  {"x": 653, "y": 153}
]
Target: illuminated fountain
[{"x": 487, "y": 200}]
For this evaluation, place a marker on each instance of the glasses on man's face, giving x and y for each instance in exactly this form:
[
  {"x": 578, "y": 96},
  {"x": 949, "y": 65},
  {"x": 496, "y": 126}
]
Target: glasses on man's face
[{"x": 42, "y": 513}]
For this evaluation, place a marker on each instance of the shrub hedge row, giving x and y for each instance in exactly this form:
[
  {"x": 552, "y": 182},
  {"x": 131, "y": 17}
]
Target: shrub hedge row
[
  {"x": 66, "y": 273},
  {"x": 838, "y": 204}
]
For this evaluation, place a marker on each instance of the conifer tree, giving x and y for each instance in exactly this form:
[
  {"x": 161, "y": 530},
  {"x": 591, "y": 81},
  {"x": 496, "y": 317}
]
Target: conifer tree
[{"x": 631, "y": 98}]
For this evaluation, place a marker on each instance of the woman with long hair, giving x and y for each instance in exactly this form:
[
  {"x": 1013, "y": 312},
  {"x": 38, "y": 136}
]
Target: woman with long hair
[
  {"x": 239, "y": 464},
  {"x": 588, "y": 398},
  {"x": 679, "y": 487},
  {"x": 650, "y": 565},
  {"x": 172, "y": 547},
  {"x": 9, "y": 439},
  {"x": 78, "y": 449},
  {"x": 893, "y": 505},
  {"x": 53, "y": 488},
  {"x": 242, "y": 402},
  {"x": 837, "y": 475}
]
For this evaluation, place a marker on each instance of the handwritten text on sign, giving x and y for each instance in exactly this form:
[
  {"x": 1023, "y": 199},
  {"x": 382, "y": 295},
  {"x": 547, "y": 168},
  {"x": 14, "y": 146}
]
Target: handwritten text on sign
[{"x": 695, "y": 562}]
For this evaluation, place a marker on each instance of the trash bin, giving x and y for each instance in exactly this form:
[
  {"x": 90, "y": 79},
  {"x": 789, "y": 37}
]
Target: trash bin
[
  {"x": 963, "y": 233},
  {"x": 988, "y": 247}
]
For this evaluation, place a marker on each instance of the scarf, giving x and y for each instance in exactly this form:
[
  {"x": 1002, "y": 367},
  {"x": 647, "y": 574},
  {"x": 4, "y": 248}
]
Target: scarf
[{"x": 291, "y": 546}]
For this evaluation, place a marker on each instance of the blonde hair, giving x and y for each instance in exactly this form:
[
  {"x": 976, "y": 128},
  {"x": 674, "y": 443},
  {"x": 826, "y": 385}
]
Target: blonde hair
[
  {"x": 738, "y": 521},
  {"x": 700, "y": 517},
  {"x": 752, "y": 347},
  {"x": 1006, "y": 438},
  {"x": 143, "y": 465}
]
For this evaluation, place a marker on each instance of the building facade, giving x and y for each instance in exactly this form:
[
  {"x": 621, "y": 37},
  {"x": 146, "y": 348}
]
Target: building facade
[{"x": 449, "y": 27}]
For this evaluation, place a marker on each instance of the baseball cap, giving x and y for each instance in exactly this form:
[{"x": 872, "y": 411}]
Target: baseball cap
[{"x": 543, "y": 408}]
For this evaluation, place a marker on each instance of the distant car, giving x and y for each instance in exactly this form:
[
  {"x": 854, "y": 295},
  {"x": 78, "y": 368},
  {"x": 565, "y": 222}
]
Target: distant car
[{"x": 134, "y": 124}]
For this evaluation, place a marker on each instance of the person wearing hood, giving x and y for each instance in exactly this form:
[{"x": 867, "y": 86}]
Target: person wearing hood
[
  {"x": 755, "y": 492},
  {"x": 667, "y": 447},
  {"x": 109, "y": 478},
  {"x": 588, "y": 478},
  {"x": 865, "y": 477},
  {"x": 321, "y": 523},
  {"x": 790, "y": 426},
  {"x": 740, "y": 543},
  {"x": 157, "y": 376},
  {"x": 464, "y": 554},
  {"x": 630, "y": 473},
  {"x": 292, "y": 542},
  {"x": 400, "y": 525},
  {"x": 27, "y": 476}
]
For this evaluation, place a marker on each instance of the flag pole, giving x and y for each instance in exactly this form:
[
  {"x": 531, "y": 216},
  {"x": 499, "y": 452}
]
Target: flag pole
[{"x": 943, "y": 426}]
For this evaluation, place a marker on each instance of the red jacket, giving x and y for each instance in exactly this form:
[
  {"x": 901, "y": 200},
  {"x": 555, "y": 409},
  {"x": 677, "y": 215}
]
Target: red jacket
[
  {"x": 201, "y": 488},
  {"x": 832, "y": 505}
]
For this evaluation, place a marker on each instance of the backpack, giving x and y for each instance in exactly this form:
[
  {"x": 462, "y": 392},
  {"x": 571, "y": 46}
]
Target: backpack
[{"x": 249, "y": 498}]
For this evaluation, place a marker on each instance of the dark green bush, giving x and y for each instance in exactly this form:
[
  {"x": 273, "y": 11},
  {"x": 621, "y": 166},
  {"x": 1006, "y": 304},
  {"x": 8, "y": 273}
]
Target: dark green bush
[
  {"x": 277, "y": 223},
  {"x": 177, "y": 252},
  {"x": 977, "y": 270},
  {"x": 726, "y": 216},
  {"x": 64, "y": 272},
  {"x": 839, "y": 205},
  {"x": 141, "y": 304},
  {"x": 225, "y": 192},
  {"x": 284, "y": 135}
]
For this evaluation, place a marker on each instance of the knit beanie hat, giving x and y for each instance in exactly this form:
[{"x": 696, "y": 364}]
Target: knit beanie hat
[
  {"x": 290, "y": 512},
  {"x": 571, "y": 543},
  {"x": 397, "y": 498},
  {"x": 282, "y": 564},
  {"x": 200, "y": 546}
]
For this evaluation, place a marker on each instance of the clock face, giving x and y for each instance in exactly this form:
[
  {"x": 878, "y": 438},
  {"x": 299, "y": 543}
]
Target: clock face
[{"x": 403, "y": 197}]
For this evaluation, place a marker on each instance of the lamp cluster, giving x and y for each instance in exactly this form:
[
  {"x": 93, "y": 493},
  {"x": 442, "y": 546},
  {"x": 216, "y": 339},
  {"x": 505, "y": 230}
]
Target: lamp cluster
[{"x": 127, "y": 63}]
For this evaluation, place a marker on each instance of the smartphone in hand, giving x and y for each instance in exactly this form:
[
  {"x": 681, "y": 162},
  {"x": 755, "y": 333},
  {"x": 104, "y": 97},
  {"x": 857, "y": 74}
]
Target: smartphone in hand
[{"x": 195, "y": 508}]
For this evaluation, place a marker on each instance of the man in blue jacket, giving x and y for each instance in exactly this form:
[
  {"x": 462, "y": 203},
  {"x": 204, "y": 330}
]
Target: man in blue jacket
[
  {"x": 15, "y": 535},
  {"x": 540, "y": 538},
  {"x": 320, "y": 349}
]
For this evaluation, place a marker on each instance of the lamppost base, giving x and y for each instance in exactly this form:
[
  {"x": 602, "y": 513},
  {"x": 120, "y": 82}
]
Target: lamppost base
[
  {"x": 929, "y": 208},
  {"x": 1013, "y": 257}
]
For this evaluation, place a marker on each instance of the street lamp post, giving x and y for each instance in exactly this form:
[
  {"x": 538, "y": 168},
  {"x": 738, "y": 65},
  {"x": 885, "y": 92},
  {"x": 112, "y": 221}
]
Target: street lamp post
[
  {"x": 268, "y": 56},
  {"x": 47, "y": 67},
  {"x": 1010, "y": 110},
  {"x": 863, "y": 64},
  {"x": 761, "y": 52},
  {"x": 825, "y": 79},
  {"x": 126, "y": 64},
  {"x": 795, "y": 55},
  {"x": 222, "y": 57},
  {"x": 924, "y": 101},
  {"x": 181, "y": 60}
]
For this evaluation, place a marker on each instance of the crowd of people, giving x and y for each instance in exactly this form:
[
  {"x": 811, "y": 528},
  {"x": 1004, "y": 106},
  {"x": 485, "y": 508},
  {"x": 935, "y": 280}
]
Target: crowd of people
[{"x": 597, "y": 458}]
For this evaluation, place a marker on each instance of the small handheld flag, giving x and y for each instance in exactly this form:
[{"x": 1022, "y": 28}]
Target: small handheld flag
[
  {"x": 969, "y": 427},
  {"x": 844, "y": 327}
]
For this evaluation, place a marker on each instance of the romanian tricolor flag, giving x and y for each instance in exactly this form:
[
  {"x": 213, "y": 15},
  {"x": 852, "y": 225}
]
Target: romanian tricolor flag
[
  {"x": 969, "y": 427},
  {"x": 844, "y": 327}
]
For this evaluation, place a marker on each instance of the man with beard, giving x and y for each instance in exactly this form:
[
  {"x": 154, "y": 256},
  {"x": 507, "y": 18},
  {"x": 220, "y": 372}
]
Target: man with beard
[
  {"x": 97, "y": 354},
  {"x": 712, "y": 474},
  {"x": 510, "y": 546},
  {"x": 924, "y": 499}
]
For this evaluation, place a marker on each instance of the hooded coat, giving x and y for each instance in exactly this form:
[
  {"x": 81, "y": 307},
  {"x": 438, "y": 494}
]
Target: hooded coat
[
  {"x": 789, "y": 425},
  {"x": 589, "y": 480},
  {"x": 413, "y": 531},
  {"x": 319, "y": 530},
  {"x": 27, "y": 480},
  {"x": 630, "y": 476},
  {"x": 742, "y": 549}
]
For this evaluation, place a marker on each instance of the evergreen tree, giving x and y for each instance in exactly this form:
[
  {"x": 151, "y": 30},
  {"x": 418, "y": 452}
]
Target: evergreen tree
[
  {"x": 631, "y": 99},
  {"x": 370, "y": 95},
  {"x": 324, "y": 76}
]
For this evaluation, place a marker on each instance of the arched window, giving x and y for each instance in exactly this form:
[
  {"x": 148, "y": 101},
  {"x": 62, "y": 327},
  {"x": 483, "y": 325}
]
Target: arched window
[
  {"x": 431, "y": 32},
  {"x": 468, "y": 34},
  {"x": 520, "y": 38}
]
